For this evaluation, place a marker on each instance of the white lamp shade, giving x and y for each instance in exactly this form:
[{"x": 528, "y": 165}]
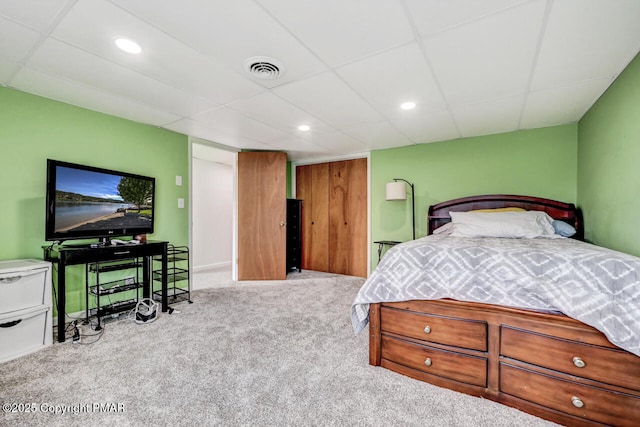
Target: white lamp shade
[{"x": 396, "y": 190}]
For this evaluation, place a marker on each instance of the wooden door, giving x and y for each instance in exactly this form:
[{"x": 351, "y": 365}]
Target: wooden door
[
  {"x": 262, "y": 209},
  {"x": 312, "y": 186},
  {"x": 348, "y": 217}
]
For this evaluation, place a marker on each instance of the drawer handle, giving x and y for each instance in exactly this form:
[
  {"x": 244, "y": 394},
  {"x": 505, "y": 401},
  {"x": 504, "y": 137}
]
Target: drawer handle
[
  {"x": 427, "y": 361},
  {"x": 427, "y": 329},
  {"x": 10, "y": 324},
  {"x": 579, "y": 362},
  {"x": 577, "y": 402},
  {"x": 13, "y": 279}
]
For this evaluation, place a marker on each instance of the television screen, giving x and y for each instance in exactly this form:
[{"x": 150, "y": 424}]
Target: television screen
[{"x": 89, "y": 202}]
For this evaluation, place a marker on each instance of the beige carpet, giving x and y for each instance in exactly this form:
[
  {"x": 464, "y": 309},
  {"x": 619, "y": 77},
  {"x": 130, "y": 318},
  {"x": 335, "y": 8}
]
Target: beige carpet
[{"x": 259, "y": 354}]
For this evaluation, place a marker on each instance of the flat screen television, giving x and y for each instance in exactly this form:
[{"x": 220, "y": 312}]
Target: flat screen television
[{"x": 86, "y": 202}]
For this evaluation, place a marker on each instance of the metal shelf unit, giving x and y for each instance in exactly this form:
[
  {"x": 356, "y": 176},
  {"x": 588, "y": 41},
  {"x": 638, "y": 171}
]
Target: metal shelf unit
[
  {"x": 178, "y": 283},
  {"x": 124, "y": 291}
]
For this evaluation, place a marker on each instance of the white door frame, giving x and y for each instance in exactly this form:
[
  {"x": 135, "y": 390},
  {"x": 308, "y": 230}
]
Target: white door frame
[{"x": 234, "y": 165}]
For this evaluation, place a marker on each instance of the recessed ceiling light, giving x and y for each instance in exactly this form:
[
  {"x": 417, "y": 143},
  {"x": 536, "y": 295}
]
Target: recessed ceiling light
[
  {"x": 304, "y": 128},
  {"x": 408, "y": 105},
  {"x": 128, "y": 46}
]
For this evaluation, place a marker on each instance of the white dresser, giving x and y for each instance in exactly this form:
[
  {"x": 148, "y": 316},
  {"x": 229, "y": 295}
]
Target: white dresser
[{"x": 25, "y": 307}]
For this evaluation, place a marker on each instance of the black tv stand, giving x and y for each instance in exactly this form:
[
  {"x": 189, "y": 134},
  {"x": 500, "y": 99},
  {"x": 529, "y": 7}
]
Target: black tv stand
[{"x": 86, "y": 254}]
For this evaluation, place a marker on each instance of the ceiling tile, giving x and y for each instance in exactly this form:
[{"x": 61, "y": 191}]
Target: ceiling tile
[
  {"x": 566, "y": 104},
  {"x": 488, "y": 58},
  {"x": 16, "y": 41},
  {"x": 204, "y": 130},
  {"x": 235, "y": 123},
  {"x": 7, "y": 70},
  {"x": 485, "y": 118},
  {"x": 379, "y": 136},
  {"x": 336, "y": 141},
  {"x": 302, "y": 143},
  {"x": 95, "y": 25},
  {"x": 97, "y": 72},
  {"x": 433, "y": 16},
  {"x": 278, "y": 113},
  {"x": 301, "y": 156},
  {"x": 36, "y": 14},
  {"x": 330, "y": 99},
  {"x": 390, "y": 78},
  {"x": 587, "y": 39},
  {"x": 340, "y": 31},
  {"x": 77, "y": 94},
  {"x": 429, "y": 126},
  {"x": 230, "y": 34}
]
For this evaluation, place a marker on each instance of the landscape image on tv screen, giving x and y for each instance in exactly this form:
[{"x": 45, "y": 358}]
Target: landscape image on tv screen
[{"x": 89, "y": 200}]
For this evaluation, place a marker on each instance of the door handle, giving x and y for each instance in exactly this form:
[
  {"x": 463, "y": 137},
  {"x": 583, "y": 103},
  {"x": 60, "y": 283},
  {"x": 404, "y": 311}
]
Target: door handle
[{"x": 282, "y": 223}]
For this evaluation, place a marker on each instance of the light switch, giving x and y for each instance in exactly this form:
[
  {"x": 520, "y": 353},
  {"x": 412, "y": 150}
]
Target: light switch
[
  {"x": 178, "y": 180},
  {"x": 180, "y": 203}
]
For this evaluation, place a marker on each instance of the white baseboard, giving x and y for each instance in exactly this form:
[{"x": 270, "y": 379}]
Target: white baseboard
[{"x": 215, "y": 266}]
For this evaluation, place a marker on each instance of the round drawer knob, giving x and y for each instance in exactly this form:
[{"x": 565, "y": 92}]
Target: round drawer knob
[
  {"x": 579, "y": 362},
  {"x": 427, "y": 361},
  {"x": 577, "y": 402},
  {"x": 427, "y": 329}
]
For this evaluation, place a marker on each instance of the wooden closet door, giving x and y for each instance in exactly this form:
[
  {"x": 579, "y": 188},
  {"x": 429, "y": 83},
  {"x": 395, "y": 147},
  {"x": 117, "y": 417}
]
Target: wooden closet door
[
  {"x": 312, "y": 186},
  {"x": 348, "y": 217},
  {"x": 262, "y": 213}
]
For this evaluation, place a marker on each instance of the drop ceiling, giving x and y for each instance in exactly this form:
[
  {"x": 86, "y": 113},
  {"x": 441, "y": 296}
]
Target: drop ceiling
[{"x": 472, "y": 67}]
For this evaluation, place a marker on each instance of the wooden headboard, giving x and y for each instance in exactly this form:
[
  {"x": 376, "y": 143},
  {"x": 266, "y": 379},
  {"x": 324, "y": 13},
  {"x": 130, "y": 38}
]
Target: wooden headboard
[{"x": 439, "y": 214}]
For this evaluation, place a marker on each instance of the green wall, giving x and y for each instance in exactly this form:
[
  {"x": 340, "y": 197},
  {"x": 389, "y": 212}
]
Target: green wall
[
  {"x": 33, "y": 129},
  {"x": 539, "y": 162},
  {"x": 609, "y": 165}
]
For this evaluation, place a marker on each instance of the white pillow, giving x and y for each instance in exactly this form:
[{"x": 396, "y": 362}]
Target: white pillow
[
  {"x": 444, "y": 229},
  {"x": 517, "y": 225}
]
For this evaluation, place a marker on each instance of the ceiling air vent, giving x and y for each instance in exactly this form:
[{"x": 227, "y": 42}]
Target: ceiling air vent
[{"x": 264, "y": 68}]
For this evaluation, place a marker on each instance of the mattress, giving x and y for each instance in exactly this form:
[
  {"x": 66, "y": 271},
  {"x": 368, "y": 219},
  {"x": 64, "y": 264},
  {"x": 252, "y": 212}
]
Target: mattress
[{"x": 597, "y": 286}]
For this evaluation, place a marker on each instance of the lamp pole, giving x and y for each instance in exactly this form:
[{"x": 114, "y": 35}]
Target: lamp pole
[{"x": 413, "y": 205}]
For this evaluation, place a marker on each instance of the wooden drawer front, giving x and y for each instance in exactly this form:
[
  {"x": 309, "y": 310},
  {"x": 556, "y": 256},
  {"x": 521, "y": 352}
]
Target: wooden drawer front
[
  {"x": 610, "y": 366},
  {"x": 444, "y": 330},
  {"x": 598, "y": 404},
  {"x": 447, "y": 364}
]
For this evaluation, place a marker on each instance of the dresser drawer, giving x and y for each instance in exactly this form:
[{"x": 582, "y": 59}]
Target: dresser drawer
[
  {"x": 602, "y": 364},
  {"x": 23, "y": 287},
  {"x": 462, "y": 333},
  {"x": 587, "y": 402},
  {"x": 447, "y": 364},
  {"x": 24, "y": 331}
]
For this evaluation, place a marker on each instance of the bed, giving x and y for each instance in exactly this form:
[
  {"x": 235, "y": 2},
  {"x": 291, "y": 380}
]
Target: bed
[{"x": 549, "y": 325}]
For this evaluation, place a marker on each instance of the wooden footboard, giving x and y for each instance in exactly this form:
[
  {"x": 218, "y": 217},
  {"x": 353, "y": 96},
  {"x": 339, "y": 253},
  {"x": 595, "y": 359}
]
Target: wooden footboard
[{"x": 546, "y": 364}]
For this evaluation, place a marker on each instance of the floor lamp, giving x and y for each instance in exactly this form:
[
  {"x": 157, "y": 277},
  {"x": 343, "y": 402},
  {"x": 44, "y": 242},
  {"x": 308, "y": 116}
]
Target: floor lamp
[{"x": 398, "y": 191}]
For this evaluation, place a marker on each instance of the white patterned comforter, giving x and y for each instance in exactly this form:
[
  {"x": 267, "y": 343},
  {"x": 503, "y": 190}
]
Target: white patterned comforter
[{"x": 594, "y": 285}]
